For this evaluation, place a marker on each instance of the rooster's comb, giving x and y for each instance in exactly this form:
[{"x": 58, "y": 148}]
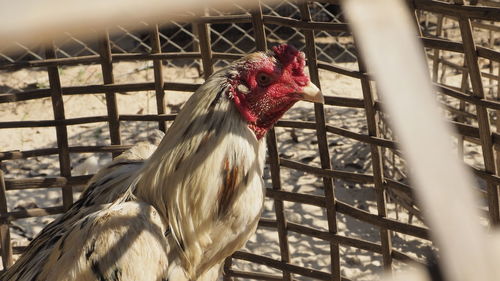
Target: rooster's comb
[{"x": 287, "y": 54}]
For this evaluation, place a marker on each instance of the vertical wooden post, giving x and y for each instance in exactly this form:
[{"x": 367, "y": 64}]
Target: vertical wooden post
[
  {"x": 274, "y": 163},
  {"x": 61, "y": 130},
  {"x": 482, "y": 116},
  {"x": 463, "y": 87},
  {"x": 4, "y": 226},
  {"x": 158, "y": 76},
  {"x": 498, "y": 120},
  {"x": 111, "y": 105},
  {"x": 435, "y": 59},
  {"x": 378, "y": 172},
  {"x": 258, "y": 29},
  {"x": 272, "y": 149},
  {"x": 319, "y": 111},
  {"x": 206, "y": 49},
  {"x": 196, "y": 47}
]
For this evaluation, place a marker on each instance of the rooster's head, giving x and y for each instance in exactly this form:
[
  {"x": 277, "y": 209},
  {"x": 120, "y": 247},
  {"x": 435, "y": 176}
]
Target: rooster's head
[{"x": 266, "y": 85}]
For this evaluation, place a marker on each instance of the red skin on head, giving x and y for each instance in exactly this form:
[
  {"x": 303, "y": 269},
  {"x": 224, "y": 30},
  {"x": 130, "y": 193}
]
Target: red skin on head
[{"x": 262, "y": 105}]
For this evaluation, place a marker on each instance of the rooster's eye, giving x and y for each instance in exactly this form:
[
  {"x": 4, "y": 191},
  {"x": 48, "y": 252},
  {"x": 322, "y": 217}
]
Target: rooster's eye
[{"x": 263, "y": 79}]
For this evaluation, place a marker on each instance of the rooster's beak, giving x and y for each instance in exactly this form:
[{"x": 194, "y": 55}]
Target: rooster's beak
[{"x": 312, "y": 93}]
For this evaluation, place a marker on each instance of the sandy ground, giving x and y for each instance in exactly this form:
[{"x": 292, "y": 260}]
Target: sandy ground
[{"x": 299, "y": 145}]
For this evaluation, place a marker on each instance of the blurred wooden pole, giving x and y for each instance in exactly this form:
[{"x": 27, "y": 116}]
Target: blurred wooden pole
[{"x": 34, "y": 21}]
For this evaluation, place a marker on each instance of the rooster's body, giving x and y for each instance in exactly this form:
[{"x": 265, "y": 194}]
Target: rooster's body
[{"x": 177, "y": 215}]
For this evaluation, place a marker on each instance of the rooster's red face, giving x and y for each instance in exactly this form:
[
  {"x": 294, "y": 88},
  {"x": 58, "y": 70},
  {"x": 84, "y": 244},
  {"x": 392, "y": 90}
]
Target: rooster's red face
[{"x": 268, "y": 84}]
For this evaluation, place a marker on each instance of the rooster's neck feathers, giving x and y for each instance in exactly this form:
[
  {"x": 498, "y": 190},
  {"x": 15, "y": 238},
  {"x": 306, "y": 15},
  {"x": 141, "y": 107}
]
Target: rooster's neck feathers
[{"x": 208, "y": 160}]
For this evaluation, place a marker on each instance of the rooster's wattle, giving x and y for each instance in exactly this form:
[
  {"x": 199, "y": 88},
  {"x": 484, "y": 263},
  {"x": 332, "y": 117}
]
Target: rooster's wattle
[{"x": 197, "y": 199}]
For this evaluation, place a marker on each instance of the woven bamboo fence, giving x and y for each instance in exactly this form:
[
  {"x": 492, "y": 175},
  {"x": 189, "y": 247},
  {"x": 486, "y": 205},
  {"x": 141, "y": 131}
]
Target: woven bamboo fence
[{"x": 472, "y": 109}]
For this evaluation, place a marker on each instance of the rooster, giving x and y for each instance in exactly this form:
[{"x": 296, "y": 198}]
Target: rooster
[{"x": 196, "y": 200}]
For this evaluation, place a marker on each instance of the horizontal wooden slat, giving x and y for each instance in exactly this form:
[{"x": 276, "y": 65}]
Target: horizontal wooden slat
[
  {"x": 339, "y": 131},
  {"x": 390, "y": 224},
  {"x": 253, "y": 275},
  {"x": 465, "y": 97},
  {"x": 350, "y": 211},
  {"x": 94, "y": 59},
  {"x": 344, "y": 101},
  {"x": 99, "y": 148},
  {"x": 49, "y": 182},
  {"x": 340, "y": 70},
  {"x": 85, "y": 120},
  {"x": 307, "y": 272},
  {"x": 442, "y": 44},
  {"x": 342, "y": 240},
  {"x": 30, "y": 213},
  {"x": 338, "y": 174},
  {"x": 224, "y": 19},
  {"x": 98, "y": 89},
  {"x": 482, "y": 25},
  {"x": 341, "y": 27},
  {"x": 488, "y": 53},
  {"x": 148, "y": 117},
  {"x": 52, "y": 123},
  {"x": 11, "y": 155},
  {"x": 361, "y": 137},
  {"x": 296, "y": 197},
  {"x": 451, "y": 10}
]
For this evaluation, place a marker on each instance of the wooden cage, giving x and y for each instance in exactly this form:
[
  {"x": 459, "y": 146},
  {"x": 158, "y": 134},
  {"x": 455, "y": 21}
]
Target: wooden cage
[{"x": 459, "y": 38}]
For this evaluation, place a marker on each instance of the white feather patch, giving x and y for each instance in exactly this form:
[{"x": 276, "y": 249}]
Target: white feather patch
[{"x": 243, "y": 89}]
